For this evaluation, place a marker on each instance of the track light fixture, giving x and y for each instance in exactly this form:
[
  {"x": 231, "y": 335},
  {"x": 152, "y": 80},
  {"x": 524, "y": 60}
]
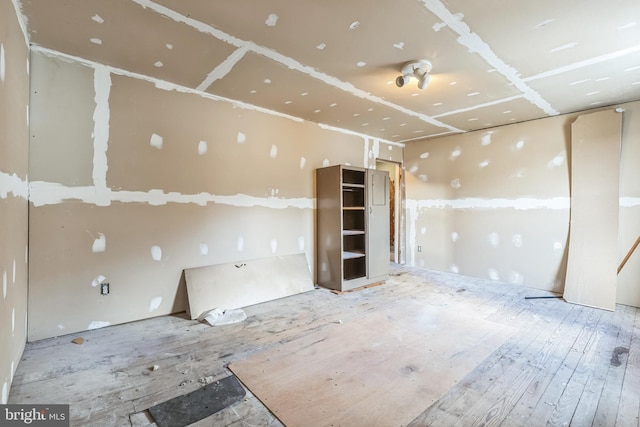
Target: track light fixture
[{"x": 419, "y": 69}]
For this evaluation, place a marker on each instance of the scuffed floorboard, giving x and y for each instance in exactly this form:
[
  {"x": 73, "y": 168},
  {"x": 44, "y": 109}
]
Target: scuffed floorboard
[{"x": 561, "y": 367}]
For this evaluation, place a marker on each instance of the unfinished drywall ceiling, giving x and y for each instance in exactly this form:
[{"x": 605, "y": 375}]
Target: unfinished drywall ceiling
[{"x": 335, "y": 62}]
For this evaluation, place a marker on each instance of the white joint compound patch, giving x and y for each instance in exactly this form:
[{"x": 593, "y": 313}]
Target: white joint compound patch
[
  {"x": 301, "y": 243},
  {"x": 2, "y": 63},
  {"x": 4, "y": 284},
  {"x": 96, "y": 40},
  {"x": 454, "y": 237},
  {"x": 204, "y": 249},
  {"x": 5, "y": 393},
  {"x": 202, "y": 147},
  {"x": 98, "y": 280},
  {"x": 156, "y": 141},
  {"x": 424, "y": 155},
  {"x": 557, "y": 161},
  {"x": 454, "y": 269},
  {"x": 97, "y": 324},
  {"x": 14, "y": 272},
  {"x": 97, "y": 18},
  {"x": 99, "y": 244},
  {"x": 493, "y": 274},
  {"x": 483, "y": 164},
  {"x": 274, "y": 151},
  {"x": 241, "y": 138},
  {"x": 303, "y": 162},
  {"x": 13, "y": 321},
  {"x": 274, "y": 245},
  {"x": 101, "y": 117},
  {"x": 156, "y": 253},
  {"x": 516, "y": 239},
  {"x": 486, "y": 138},
  {"x": 240, "y": 244},
  {"x": 399, "y": 45},
  {"x": 455, "y": 184},
  {"x": 155, "y": 304},
  {"x": 516, "y": 278},
  {"x": 455, "y": 153},
  {"x": 272, "y": 20},
  {"x": 494, "y": 239},
  {"x": 158, "y": 64}
]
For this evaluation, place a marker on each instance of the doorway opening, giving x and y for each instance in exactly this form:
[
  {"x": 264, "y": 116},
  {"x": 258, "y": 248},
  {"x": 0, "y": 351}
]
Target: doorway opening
[{"x": 396, "y": 214}]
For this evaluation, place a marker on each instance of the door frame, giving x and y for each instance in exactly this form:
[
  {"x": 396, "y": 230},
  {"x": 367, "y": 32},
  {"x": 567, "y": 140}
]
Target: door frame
[{"x": 399, "y": 245}]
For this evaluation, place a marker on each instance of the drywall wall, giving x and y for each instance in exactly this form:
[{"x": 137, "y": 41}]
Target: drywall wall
[
  {"x": 495, "y": 203},
  {"x": 135, "y": 180},
  {"x": 14, "y": 146}
]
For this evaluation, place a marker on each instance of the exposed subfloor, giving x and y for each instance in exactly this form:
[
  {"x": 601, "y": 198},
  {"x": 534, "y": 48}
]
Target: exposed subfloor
[{"x": 566, "y": 364}]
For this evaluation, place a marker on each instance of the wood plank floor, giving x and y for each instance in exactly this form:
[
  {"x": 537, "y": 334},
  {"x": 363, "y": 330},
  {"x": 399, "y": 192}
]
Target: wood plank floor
[{"x": 565, "y": 365}]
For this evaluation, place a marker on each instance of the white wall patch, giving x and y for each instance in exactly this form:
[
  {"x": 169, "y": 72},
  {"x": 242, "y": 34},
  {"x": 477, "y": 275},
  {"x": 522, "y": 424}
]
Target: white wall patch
[
  {"x": 13, "y": 321},
  {"x": 101, "y": 117},
  {"x": 99, "y": 244},
  {"x": 96, "y": 40},
  {"x": 98, "y": 280},
  {"x": 494, "y": 239},
  {"x": 2, "y": 63},
  {"x": 455, "y": 153},
  {"x": 455, "y": 184},
  {"x": 399, "y": 45},
  {"x": 14, "y": 271},
  {"x": 303, "y": 162},
  {"x": 202, "y": 147},
  {"x": 564, "y": 47},
  {"x": 483, "y": 164},
  {"x": 97, "y": 324},
  {"x": 486, "y": 138},
  {"x": 493, "y": 274},
  {"x": 454, "y": 236},
  {"x": 204, "y": 249},
  {"x": 274, "y": 245},
  {"x": 241, "y": 138},
  {"x": 272, "y": 20},
  {"x": 156, "y": 141},
  {"x": 97, "y": 18},
  {"x": 240, "y": 244},
  {"x": 556, "y": 161},
  {"x": 158, "y": 64},
  {"x": 516, "y": 239},
  {"x": 156, "y": 253},
  {"x": 5, "y": 393},
  {"x": 424, "y": 155},
  {"x": 4, "y": 284},
  {"x": 274, "y": 151},
  {"x": 301, "y": 243},
  {"x": 155, "y": 304}
]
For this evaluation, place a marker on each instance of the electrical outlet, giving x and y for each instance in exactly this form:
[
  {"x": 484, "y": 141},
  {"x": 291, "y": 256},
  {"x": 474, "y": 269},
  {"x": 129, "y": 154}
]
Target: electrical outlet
[
  {"x": 419, "y": 248},
  {"x": 104, "y": 289}
]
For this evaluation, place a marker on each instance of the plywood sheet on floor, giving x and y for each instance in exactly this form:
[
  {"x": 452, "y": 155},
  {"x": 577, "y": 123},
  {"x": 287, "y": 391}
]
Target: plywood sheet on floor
[
  {"x": 593, "y": 236},
  {"x": 376, "y": 370},
  {"x": 244, "y": 283}
]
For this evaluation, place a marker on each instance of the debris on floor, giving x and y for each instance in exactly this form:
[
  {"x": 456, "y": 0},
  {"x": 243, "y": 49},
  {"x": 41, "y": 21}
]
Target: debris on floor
[
  {"x": 78, "y": 340},
  {"x": 218, "y": 317},
  {"x": 199, "y": 404},
  {"x": 155, "y": 367}
]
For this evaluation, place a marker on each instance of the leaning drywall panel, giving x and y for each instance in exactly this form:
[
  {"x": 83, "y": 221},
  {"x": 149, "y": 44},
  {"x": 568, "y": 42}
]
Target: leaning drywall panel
[
  {"x": 246, "y": 282},
  {"x": 593, "y": 239},
  {"x": 628, "y": 289}
]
